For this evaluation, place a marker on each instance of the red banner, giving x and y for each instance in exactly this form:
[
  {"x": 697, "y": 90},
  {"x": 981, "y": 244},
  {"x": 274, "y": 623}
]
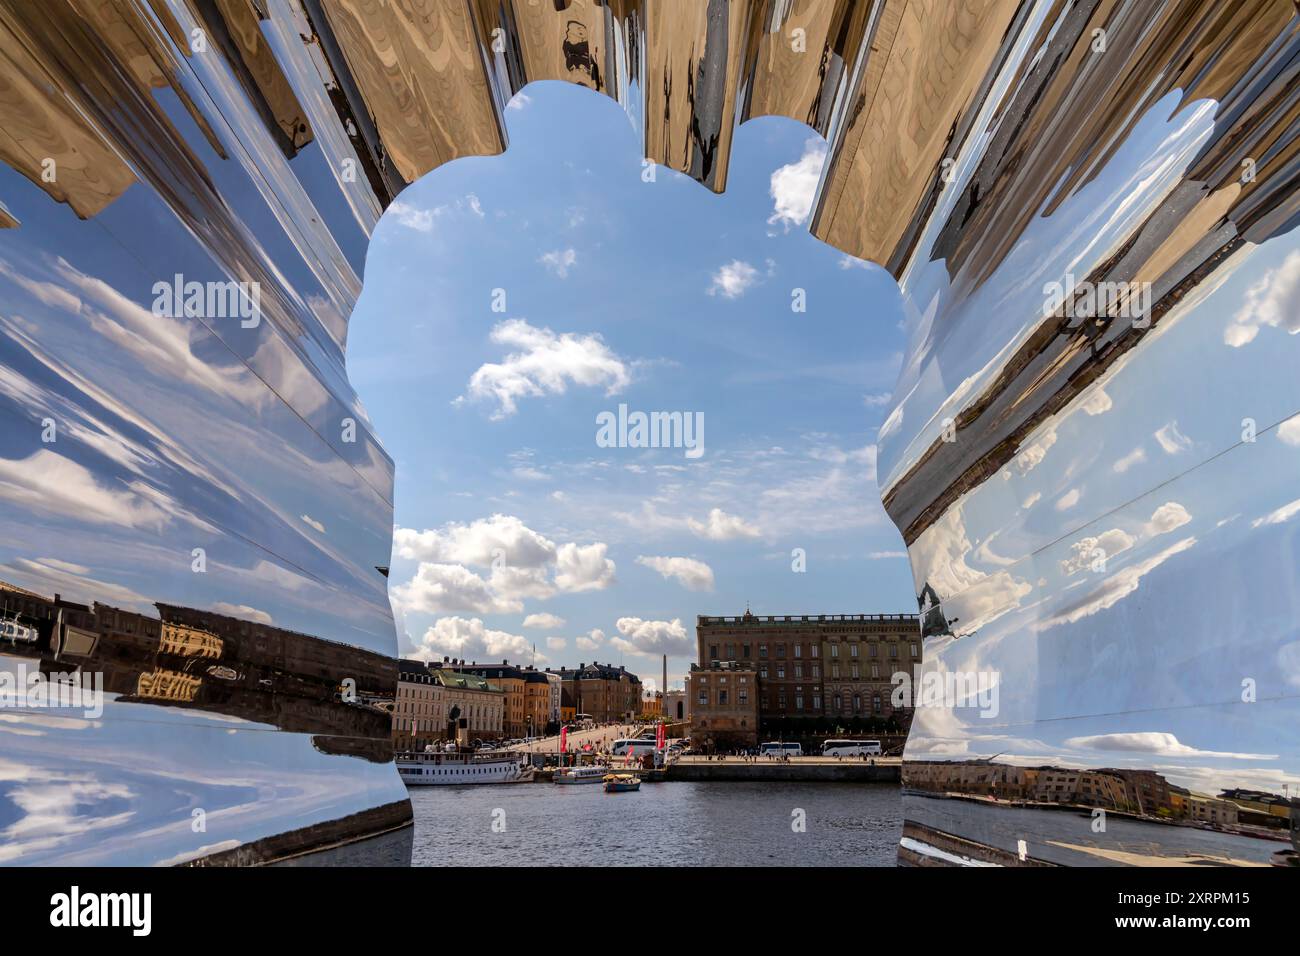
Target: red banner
[{"x": 564, "y": 739}]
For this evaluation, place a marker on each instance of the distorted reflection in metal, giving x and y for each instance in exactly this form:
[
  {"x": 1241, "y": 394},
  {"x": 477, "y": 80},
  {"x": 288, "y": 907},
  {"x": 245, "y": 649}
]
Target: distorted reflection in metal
[{"x": 195, "y": 506}]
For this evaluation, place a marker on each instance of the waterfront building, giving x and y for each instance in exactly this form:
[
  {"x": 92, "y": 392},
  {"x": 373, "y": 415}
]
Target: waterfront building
[
  {"x": 568, "y": 707},
  {"x": 606, "y": 692},
  {"x": 537, "y": 702},
  {"x": 817, "y": 673},
  {"x": 555, "y": 705},
  {"x": 676, "y": 706},
  {"x": 513, "y": 684},
  {"x": 652, "y": 704},
  {"x": 725, "y": 709},
  {"x": 419, "y": 709}
]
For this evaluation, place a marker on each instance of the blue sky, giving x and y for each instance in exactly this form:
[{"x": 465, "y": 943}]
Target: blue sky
[{"x": 513, "y": 526}]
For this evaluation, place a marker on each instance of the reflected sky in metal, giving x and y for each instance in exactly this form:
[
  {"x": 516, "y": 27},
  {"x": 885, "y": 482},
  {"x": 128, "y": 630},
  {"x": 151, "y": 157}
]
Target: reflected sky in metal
[
  {"x": 1102, "y": 512},
  {"x": 979, "y": 149}
]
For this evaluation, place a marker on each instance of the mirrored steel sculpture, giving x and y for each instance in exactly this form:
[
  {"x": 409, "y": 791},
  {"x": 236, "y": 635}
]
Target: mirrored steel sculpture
[{"x": 1093, "y": 454}]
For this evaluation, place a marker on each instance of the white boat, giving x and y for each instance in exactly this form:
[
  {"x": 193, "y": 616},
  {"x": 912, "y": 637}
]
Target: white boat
[
  {"x": 581, "y": 775},
  {"x": 457, "y": 769}
]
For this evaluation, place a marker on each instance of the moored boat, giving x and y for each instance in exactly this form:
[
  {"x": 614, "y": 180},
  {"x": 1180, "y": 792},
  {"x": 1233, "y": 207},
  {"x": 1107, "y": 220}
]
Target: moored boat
[
  {"x": 622, "y": 782},
  {"x": 580, "y": 775},
  {"x": 436, "y": 768}
]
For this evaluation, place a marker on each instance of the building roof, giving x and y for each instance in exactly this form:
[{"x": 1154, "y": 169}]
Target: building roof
[{"x": 596, "y": 671}]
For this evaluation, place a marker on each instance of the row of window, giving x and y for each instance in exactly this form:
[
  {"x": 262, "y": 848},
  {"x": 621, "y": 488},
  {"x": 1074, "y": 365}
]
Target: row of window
[{"x": 798, "y": 652}]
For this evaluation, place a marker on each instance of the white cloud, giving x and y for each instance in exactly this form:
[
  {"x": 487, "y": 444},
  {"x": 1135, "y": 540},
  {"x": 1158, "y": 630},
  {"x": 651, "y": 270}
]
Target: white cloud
[
  {"x": 242, "y": 611},
  {"x": 733, "y": 279},
  {"x": 875, "y": 401},
  {"x": 1068, "y": 500},
  {"x": 544, "y": 362},
  {"x": 794, "y": 186},
  {"x": 470, "y": 639},
  {"x": 1168, "y": 517},
  {"x": 693, "y": 575},
  {"x": 1135, "y": 457},
  {"x": 52, "y": 484},
  {"x": 556, "y": 643},
  {"x": 1271, "y": 302},
  {"x": 591, "y": 640},
  {"x": 1104, "y": 546},
  {"x": 312, "y": 522},
  {"x": 559, "y": 261},
  {"x": 437, "y": 588},
  {"x": 1172, "y": 440},
  {"x": 583, "y": 568},
  {"x": 421, "y": 220},
  {"x": 500, "y": 538},
  {"x": 519, "y": 101},
  {"x": 1289, "y": 431},
  {"x": 1155, "y": 742},
  {"x": 1278, "y": 516},
  {"x": 654, "y": 637},
  {"x": 722, "y": 527},
  {"x": 546, "y": 622}
]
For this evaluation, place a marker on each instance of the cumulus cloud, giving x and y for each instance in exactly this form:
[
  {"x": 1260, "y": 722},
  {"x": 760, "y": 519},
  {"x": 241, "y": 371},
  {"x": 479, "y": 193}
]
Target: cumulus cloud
[
  {"x": 721, "y": 526},
  {"x": 1289, "y": 431},
  {"x": 469, "y": 638},
  {"x": 591, "y": 640},
  {"x": 556, "y": 643},
  {"x": 1168, "y": 517},
  {"x": 312, "y": 522},
  {"x": 543, "y": 362},
  {"x": 794, "y": 186},
  {"x": 1270, "y": 301},
  {"x": 547, "y": 622},
  {"x": 691, "y": 574},
  {"x": 500, "y": 538},
  {"x": 559, "y": 261},
  {"x": 583, "y": 568},
  {"x": 733, "y": 279},
  {"x": 1113, "y": 589},
  {"x": 437, "y": 588},
  {"x": 522, "y": 564},
  {"x": 654, "y": 637},
  {"x": 1093, "y": 548}
]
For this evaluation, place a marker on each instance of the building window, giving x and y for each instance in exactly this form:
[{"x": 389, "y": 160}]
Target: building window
[
  {"x": 816, "y": 670},
  {"x": 835, "y": 672},
  {"x": 704, "y": 698},
  {"x": 873, "y": 650},
  {"x": 915, "y": 652},
  {"x": 745, "y": 651},
  {"x": 780, "y": 650},
  {"x": 744, "y": 696},
  {"x": 798, "y": 650},
  {"x": 780, "y": 671},
  {"x": 875, "y": 703},
  {"x": 722, "y": 698},
  {"x": 798, "y": 670},
  {"x": 853, "y": 650},
  {"x": 893, "y": 650},
  {"x": 835, "y": 650},
  {"x": 816, "y": 650},
  {"x": 857, "y": 703},
  {"x": 817, "y": 702},
  {"x": 731, "y": 652},
  {"x": 762, "y": 650},
  {"x": 875, "y": 671},
  {"x": 762, "y": 672},
  {"x": 853, "y": 670},
  {"x": 713, "y": 652},
  {"x": 798, "y": 701},
  {"x": 837, "y": 701}
]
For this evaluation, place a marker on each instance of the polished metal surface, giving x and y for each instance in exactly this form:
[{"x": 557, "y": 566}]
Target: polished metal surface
[{"x": 1100, "y": 510}]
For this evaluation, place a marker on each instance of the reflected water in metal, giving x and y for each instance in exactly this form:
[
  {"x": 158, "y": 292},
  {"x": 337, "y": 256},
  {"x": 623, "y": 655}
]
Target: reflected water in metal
[{"x": 1100, "y": 509}]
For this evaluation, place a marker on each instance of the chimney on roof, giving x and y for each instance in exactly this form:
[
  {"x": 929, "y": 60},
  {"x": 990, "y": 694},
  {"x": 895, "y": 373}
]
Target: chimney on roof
[{"x": 504, "y": 662}]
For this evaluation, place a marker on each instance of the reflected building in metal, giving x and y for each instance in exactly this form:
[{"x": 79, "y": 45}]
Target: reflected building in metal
[{"x": 1090, "y": 206}]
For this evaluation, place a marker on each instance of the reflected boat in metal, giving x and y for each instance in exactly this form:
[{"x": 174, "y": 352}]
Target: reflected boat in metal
[{"x": 1098, "y": 500}]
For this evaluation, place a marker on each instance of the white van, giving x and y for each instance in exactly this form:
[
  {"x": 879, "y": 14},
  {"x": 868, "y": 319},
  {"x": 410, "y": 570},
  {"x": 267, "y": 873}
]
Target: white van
[
  {"x": 776, "y": 749},
  {"x": 851, "y": 748}
]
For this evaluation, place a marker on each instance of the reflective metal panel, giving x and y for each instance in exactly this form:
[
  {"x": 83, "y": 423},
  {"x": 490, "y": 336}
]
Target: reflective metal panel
[{"x": 1093, "y": 452}]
